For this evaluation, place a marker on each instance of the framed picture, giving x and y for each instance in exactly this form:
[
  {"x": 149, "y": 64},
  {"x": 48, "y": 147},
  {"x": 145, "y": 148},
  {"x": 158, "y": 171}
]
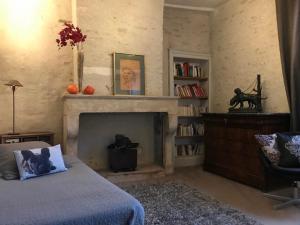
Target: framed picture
[{"x": 129, "y": 74}]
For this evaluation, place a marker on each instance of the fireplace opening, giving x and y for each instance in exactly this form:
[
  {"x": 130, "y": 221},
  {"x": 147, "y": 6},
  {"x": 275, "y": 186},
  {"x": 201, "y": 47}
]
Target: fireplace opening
[{"x": 97, "y": 131}]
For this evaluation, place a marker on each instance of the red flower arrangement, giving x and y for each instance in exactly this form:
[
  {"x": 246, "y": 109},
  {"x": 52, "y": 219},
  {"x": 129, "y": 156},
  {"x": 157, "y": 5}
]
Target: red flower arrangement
[{"x": 70, "y": 34}]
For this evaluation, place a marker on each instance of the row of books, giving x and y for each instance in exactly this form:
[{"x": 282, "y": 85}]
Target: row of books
[
  {"x": 191, "y": 110},
  {"x": 189, "y": 90},
  {"x": 188, "y": 70},
  {"x": 193, "y": 129},
  {"x": 189, "y": 150}
]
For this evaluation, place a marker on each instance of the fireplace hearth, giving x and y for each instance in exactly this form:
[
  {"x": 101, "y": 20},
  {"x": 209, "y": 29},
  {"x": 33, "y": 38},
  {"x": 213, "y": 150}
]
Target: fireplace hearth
[{"x": 77, "y": 105}]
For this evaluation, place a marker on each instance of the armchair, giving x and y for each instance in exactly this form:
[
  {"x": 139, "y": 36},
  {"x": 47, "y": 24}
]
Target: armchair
[{"x": 290, "y": 174}]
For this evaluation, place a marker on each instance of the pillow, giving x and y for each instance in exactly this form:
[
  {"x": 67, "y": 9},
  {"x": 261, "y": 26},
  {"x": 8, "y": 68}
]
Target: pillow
[
  {"x": 8, "y": 166},
  {"x": 269, "y": 147},
  {"x": 39, "y": 161},
  {"x": 289, "y": 147}
]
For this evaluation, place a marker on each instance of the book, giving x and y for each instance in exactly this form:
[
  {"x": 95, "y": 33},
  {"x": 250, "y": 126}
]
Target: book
[
  {"x": 178, "y": 69},
  {"x": 189, "y": 90},
  {"x": 186, "y": 69},
  {"x": 191, "y": 71}
]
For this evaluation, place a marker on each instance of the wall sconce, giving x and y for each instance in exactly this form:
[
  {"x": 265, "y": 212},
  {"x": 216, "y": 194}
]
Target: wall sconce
[{"x": 14, "y": 84}]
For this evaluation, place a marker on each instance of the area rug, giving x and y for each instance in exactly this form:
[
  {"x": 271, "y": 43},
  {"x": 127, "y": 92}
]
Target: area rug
[{"x": 179, "y": 204}]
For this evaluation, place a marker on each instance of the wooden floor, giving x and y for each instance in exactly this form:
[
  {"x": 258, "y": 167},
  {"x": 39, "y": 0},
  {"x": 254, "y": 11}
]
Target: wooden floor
[{"x": 242, "y": 197}]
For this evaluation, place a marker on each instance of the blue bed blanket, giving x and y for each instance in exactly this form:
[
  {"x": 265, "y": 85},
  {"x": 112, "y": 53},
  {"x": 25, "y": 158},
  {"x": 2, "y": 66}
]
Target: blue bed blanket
[{"x": 76, "y": 197}]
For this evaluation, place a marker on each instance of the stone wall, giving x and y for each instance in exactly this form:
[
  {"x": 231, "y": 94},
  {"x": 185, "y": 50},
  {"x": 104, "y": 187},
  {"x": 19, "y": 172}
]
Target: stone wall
[
  {"x": 30, "y": 55},
  {"x": 244, "y": 42},
  {"x": 126, "y": 26},
  {"x": 186, "y": 30}
]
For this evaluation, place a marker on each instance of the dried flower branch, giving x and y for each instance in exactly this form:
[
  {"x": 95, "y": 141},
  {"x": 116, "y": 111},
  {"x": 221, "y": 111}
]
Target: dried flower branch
[{"x": 70, "y": 34}]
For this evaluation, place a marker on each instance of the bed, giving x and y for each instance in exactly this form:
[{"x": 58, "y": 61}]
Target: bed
[{"x": 78, "y": 196}]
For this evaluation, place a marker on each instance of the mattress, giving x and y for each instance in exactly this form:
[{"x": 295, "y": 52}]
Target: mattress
[{"x": 77, "y": 197}]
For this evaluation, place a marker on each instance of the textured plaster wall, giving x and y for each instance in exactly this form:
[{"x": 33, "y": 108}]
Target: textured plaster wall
[
  {"x": 127, "y": 26},
  {"x": 186, "y": 30},
  {"x": 244, "y": 42},
  {"x": 29, "y": 54}
]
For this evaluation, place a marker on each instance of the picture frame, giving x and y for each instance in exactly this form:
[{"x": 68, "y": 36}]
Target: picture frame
[{"x": 129, "y": 74}]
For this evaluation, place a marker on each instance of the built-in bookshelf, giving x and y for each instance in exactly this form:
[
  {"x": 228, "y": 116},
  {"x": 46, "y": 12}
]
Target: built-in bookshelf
[{"x": 189, "y": 74}]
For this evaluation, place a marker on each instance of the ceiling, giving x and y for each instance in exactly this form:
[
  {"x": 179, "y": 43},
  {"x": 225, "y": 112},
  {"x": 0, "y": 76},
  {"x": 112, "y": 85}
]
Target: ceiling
[{"x": 197, "y": 3}]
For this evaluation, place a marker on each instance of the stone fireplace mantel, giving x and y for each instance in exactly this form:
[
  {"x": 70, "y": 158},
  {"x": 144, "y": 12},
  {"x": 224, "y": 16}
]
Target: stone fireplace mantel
[{"x": 74, "y": 105}]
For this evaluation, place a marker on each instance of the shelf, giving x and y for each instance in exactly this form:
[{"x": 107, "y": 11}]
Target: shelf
[
  {"x": 188, "y": 156},
  {"x": 189, "y": 63},
  {"x": 191, "y": 78},
  {"x": 25, "y": 137},
  {"x": 190, "y": 117},
  {"x": 184, "y": 137},
  {"x": 195, "y": 97}
]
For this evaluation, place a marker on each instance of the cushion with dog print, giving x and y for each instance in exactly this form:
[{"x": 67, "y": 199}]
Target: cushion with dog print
[
  {"x": 289, "y": 147},
  {"x": 269, "y": 146},
  {"x": 39, "y": 161},
  {"x": 8, "y": 165}
]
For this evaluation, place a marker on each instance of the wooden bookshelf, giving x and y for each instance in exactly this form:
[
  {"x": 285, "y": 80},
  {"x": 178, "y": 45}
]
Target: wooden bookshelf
[{"x": 189, "y": 75}]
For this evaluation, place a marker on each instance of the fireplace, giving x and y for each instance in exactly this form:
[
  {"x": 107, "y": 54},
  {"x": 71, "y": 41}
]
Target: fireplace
[
  {"x": 80, "y": 108},
  {"x": 98, "y": 130}
]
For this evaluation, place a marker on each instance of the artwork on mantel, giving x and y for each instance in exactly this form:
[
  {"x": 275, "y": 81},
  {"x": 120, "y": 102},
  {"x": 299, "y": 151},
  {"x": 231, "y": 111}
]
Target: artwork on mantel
[{"x": 129, "y": 74}]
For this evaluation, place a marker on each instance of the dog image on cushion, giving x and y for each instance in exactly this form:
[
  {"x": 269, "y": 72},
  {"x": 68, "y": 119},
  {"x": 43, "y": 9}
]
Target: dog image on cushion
[{"x": 37, "y": 164}]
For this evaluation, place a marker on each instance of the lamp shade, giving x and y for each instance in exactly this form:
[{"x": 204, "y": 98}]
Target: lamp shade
[{"x": 14, "y": 83}]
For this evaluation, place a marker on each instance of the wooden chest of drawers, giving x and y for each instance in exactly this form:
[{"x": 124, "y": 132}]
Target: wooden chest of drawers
[{"x": 231, "y": 149}]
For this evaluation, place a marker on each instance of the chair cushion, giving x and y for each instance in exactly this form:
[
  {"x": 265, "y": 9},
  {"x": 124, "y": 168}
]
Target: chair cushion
[
  {"x": 269, "y": 147},
  {"x": 289, "y": 147}
]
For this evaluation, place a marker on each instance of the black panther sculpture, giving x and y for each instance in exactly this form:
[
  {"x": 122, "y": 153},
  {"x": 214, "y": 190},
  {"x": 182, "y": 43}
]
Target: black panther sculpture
[
  {"x": 240, "y": 97},
  {"x": 253, "y": 100}
]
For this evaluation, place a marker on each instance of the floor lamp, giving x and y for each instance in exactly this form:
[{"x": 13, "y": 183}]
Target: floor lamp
[{"x": 13, "y": 84}]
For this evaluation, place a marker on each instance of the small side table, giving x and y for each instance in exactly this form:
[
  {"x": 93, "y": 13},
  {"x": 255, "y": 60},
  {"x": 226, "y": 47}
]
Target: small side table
[{"x": 23, "y": 137}]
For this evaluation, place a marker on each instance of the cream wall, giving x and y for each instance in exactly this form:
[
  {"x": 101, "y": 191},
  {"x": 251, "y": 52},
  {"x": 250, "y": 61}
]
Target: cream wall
[
  {"x": 244, "y": 42},
  {"x": 30, "y": 55},
  {"x": 186, "y": 30},
  {"x": 127, "y": 26}
]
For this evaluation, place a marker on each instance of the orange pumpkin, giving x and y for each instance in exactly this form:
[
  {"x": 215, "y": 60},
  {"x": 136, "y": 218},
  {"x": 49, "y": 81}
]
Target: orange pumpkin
[
  {"x": 72, "y": 89},
  {"x": 89, "y": 90}
]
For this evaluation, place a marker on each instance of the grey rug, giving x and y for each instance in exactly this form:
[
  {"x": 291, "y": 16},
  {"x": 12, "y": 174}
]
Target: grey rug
[{"x": 177, "y": 204}]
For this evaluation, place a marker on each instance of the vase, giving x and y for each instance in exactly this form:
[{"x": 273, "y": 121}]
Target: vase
[{"x": 80, "y": 60}]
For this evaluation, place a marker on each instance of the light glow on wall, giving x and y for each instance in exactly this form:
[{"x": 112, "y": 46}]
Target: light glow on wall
[{"x": 21, "y": 20}]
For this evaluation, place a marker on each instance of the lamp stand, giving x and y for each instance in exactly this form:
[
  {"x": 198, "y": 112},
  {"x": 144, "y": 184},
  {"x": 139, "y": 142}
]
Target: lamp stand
[
  {"x": 13, "y": 84},
  {"x": 14, "y": 119}
]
